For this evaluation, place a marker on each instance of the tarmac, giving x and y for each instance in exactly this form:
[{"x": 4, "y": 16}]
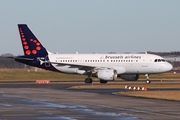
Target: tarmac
[{"x": 56, "y": 102}]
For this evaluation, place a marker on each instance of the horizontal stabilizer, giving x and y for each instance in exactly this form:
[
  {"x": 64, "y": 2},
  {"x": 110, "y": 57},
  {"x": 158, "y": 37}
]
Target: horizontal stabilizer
[{"x": 21, "y": 58}]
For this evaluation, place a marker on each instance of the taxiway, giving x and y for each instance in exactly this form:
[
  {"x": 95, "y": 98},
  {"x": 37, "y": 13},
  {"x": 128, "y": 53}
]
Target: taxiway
[{"x": 55, "y": 101}]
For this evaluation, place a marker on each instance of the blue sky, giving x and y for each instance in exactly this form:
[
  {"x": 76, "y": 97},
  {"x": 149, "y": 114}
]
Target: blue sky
[{"x": 87, "y": 26}]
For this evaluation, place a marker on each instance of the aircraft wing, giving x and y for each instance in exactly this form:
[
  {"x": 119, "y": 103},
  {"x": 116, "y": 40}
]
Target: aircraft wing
[{"x": 80, "y": 67}]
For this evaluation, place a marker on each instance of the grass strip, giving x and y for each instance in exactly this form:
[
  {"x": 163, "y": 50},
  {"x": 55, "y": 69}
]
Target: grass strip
[
  {"x": 165, "y": 95},
  {"x": 25, "y": 74}
]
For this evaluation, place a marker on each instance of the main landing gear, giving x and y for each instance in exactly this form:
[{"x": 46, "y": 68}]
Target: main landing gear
[
  {"x": 148, "y": 81},
  {"x": 89, "y": 80},
  {"x": 103, "y": 81}
]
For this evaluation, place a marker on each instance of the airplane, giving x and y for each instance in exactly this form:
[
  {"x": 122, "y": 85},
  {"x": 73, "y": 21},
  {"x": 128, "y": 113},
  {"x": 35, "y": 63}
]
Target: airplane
[{"x": 106, "y": 67}]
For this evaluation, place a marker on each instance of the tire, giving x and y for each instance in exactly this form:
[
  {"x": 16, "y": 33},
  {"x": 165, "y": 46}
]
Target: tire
[
  {"x": 88, "y": 80},
  {"x": 148, "y": 81},
  {"x": 103, "y": 81}
]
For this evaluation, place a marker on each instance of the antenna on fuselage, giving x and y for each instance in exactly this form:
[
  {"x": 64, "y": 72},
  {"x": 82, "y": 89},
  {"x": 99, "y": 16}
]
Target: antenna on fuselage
[
  {"x": 146, "y": 52},
  {"x": 77, "y": 52}
]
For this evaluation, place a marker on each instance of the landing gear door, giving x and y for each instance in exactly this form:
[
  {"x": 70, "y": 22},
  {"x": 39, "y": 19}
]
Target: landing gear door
[{"x": 47, "y": 62}]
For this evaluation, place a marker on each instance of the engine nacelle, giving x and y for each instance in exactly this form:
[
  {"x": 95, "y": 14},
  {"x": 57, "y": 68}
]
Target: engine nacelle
[
  {"x": 134, "y": 77},
  {"x": 80, "y": 72},
  {"x": 107, "y": 74}
]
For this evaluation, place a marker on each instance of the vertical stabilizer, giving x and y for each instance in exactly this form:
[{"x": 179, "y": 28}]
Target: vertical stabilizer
[{"x": 31, "y": 45}]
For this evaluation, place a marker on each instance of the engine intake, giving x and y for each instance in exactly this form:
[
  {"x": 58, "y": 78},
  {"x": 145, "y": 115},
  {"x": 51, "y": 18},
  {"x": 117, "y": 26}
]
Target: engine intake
[{"x": 107, "y": 74}]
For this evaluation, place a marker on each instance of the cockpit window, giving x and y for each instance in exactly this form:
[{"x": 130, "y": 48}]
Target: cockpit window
[
  {"x": 163, "y": 60},
  {"x": 159, "y": 60}
]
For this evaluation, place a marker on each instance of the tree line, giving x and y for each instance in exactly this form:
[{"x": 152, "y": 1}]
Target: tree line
[
  {"x": 9, "y": 63},
  {"x": 171, "y": 54}
]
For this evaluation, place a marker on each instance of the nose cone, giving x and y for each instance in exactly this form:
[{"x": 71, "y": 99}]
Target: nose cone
[
  {"x": 165, "y": 67},
  {"x": 168, "y": 67}
]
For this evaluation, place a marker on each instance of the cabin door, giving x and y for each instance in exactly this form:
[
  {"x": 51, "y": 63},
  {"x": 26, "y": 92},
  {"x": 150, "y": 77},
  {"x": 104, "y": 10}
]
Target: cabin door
[{"x": 145, "y": 61}]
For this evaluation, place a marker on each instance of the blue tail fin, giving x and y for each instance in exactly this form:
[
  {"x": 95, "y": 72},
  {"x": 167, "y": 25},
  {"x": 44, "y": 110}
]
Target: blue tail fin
[{"x": 31, "y": 45}]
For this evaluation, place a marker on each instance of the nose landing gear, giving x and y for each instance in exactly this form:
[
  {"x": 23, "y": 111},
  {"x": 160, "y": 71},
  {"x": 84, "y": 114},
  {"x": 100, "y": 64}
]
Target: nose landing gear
[{"x": 148, "y": 81}]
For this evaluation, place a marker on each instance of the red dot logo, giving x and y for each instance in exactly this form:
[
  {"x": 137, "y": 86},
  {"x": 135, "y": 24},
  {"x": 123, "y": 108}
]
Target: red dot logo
[
  {"x": 26, "y": 47},
  {"x": 37, "y": 45},
  {"x": 23, "y": 39},
  {"x": 24, "y": 43},
  {"x": 28, "y": 52},
  {"x": 34, "y": 51},
  {"x": 38, "y": 48},
  {"x": 35, "y": 41},
  {"x": 20, "y": 29}
]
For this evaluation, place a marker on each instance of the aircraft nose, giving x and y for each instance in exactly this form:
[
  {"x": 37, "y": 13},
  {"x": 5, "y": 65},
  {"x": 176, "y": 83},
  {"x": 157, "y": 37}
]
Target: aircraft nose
[
  {"x": 169, "y": 66},
  {"x": 165, "y": 67}
]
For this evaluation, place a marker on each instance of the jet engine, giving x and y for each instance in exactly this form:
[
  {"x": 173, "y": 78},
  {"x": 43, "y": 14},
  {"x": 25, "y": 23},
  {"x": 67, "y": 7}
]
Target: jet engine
[
  {"x": 107, "y": 74},
  {"x": 133, "y": 77}
]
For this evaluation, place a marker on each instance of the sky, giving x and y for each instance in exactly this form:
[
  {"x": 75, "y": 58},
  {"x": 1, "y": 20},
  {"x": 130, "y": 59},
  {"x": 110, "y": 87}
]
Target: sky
[{"x": 92, "y": 26}]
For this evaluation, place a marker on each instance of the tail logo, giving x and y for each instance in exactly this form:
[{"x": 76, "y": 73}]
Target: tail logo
[{"x": 26, "y": 47}]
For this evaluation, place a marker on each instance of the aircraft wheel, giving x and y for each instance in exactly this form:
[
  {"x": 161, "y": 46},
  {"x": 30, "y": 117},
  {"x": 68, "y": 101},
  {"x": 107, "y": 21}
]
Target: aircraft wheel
[
  {"x": 148, "y": 81},
  {"x": 103, "y": 81},
  {"x": 88, "y": 80}
]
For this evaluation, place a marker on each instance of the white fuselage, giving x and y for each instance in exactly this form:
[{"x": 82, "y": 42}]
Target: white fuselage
[
  {"x": 106, "y": 67},
  {"x": 122, "y": 63}
]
